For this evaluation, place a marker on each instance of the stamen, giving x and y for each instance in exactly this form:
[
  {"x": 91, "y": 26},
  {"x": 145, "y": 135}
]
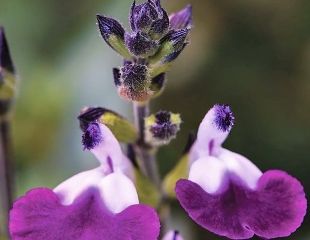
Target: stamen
[
  {"x": 224, "y": 117},
  {"x": 175, "y": 235},
  {"x": 92, "y": 136}
]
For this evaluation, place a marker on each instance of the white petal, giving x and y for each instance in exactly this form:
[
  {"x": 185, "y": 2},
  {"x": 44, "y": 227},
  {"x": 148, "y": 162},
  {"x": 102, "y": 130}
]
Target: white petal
[
  {"x": 210, "y": 173},
  {"x": 172, "y": 235},
  {"x": 118, "y": 192},
  {"x": 73, "y": 187},
  {"x": 110, "y": 148},
  {"x": 240, "y": 167},
  {"x": 209, "y": 138}
]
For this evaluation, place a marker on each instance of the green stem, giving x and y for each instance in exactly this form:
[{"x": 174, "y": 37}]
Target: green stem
[
  {"x": 6, "y": 171},
  {"x": 145, "y": 152}
]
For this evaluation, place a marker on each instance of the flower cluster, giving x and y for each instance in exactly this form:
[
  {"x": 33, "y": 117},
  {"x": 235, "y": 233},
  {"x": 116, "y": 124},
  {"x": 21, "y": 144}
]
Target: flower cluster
[
  {"x": 222, "y": 191},
  {"x": 154, "y": 42}
]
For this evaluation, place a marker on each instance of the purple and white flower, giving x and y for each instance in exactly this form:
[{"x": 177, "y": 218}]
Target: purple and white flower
[
  {"x": 228, "y": 195},
  {"x": 101, "y": 203}
]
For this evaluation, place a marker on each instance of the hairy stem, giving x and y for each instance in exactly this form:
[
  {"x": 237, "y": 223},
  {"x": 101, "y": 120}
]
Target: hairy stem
[
  {"x": 146, "y": 153},
  {"x": 6, "y": 170}
]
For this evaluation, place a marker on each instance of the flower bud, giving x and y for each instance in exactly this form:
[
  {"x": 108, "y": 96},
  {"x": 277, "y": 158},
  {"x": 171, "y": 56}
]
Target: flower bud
[
  {"x": 158, "y": 84},
  {"x": 133, "y": 82},
  {"x": 181, "y": 19},
  {"x": 7, "y": 77},
  {"x": 170, "y": 48},
  {"x": 113, "y": 33},
  {"x": 150, "y": 18},
  {"x": 140, "y": 45},
  {"x": 161, "y": 128},
  {"x": 123, "y": 130}
]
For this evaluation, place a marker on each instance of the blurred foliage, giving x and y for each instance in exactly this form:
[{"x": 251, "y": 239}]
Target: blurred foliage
[{"x": 253, "y": 55}]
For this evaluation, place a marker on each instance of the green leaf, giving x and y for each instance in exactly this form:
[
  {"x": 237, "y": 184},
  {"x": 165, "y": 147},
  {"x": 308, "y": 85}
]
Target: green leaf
[
  {"x": 178, "y": 172},
  {"x": 147, "y": 191},
  {"x": 123, "y": 130}
]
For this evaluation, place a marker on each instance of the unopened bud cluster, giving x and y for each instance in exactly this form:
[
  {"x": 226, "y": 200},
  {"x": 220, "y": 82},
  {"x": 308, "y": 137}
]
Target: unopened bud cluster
[{"x": 154, "y": 42}]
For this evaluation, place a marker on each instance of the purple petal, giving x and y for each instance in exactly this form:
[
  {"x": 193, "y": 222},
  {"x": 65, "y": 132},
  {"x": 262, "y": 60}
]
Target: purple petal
[
  {"x": 181, "y": 19},
  {"x": 40, "y": 215},
  {"x": 275, "y": 209}
]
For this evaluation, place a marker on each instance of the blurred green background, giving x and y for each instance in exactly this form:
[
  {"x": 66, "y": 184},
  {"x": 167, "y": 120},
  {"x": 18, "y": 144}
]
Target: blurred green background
[{"x": 253, "y": 55}]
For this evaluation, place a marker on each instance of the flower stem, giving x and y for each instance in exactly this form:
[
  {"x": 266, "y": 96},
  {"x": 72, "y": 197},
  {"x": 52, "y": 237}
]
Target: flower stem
[
  {"x": 145, "y": 152},
  {"x": 6, "y": 170}
]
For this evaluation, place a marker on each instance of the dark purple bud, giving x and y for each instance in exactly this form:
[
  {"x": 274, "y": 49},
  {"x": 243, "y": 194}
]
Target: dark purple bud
[
  {"x": 224, "y": 117},
  {"x": 89, "y": 115},
  {"x": 113, "y": 33},
  {"x": 135, "y": 82},
  {"x": 171, "y": 57},
  {"x": 117, "y": 76},
  {"x": 142, "y": 16},
  {"x": 176, "y": 38},
  {"x": 160, "y": 27},
  {"x": 5, "y": 56},
  {"x": 158, "y": 83},
  {"x": 170, "y": 47},
  {"x": 149, "y": 18},
  {"x": 181, "y": 19},
  {"x": 140, "y": 45},
  {"x": 92, "y": 136},
  {"x": 108, "y": 27},
  {"x": 162, "y": 127}
]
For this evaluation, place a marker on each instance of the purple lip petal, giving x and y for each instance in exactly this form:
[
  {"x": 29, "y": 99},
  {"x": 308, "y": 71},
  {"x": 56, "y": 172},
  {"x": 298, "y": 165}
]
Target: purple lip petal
[
  {"x": 275, "y": 209},
  {"x": 40, "y": 215}
]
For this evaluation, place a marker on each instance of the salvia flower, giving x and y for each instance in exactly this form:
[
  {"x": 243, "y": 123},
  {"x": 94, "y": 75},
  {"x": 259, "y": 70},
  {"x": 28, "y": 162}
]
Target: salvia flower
[
  {"x": 161, "y": 128},
  {"x": 97, "y": 204},
  {"x": 173, "y": 235},
  {"x": 7, "y": 75},
  {"x": 228, "y": 195}
]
